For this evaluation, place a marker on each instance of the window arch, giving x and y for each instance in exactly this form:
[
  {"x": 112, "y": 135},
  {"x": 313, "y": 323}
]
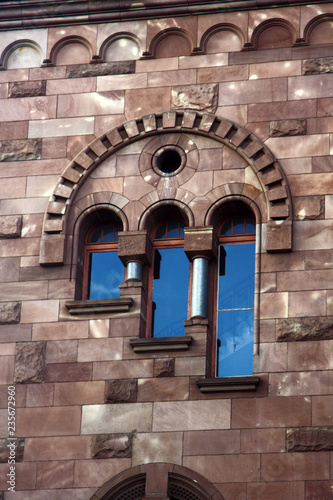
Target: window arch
[
  {"x": 235, "y": 296},
  {"x": 168, "y": 280}
]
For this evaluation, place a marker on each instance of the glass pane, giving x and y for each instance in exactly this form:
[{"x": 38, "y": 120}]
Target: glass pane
[
  {"x": 238, "y": 225},
  {"x": 226, "y": 228},
  {"x": 106, "y": 273},
  {"x": 173, "y": 229},
  {"x": 170, "y": 294},
  {"x": 161, "y": 231},
  {"x": 250, "y": 226},
  {"x": 236, "y": 286},
  {"x": 96, "y": 236},
  {"x": 235, "y": 343},
  {"x": 108, "y": 233},
  {"x": 235, "y": 311}
]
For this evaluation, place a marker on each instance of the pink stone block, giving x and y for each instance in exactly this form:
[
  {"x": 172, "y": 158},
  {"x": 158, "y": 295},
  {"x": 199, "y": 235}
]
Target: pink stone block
[
  {"x": 104, "y": 103},
  {"x": 322, "y": 410},
  {"x": 295, "y": 466},
  {"x": 39, "y": 311},
  {"x": 311, "y": 303},
  {"x": 28, "y": 108},
  {"x": 227, "y": 468},
  {"x": 212, "y": 442},
  {"x": 168, "y": 78},
  {"x": 70, "y": 86},
  {"x": 271, "y": 412},
  {"x": 78, "y": 393},
  {"x": 163, "y": 389},
  {"x": 157, "y": 447},
  {"x": 274, "y": 305},
  {"x": 301, "y": 384},
  {"x": 153, "y": 65},
  {"x": 121, "y": 82},
  {"x": 7, "y": 369},
  {"x": 51, "y": 475},
  {"x": 25, "y": 478},
  {"x": 305, "y": 280},
  {"x": 105, "y": 370},
  {"x": 272, "y": 358},
  {"x": 100, "y": 349},
  {"x": 61, "y": 351},
  {"x": 191, "y": 415},
  {"x": 282, "y": 110},
  {"x": 310, "y": 355},
  {"x": 276, "y": 490},
  {"x": 23, "y": 290},
  {"x": 275, "y": 69},
  {"x": 94, "y": 473},
  {"x": 48, "y": 421},
  {"x": 289, "y": 147},
  {"x": 57, "y": 448},
  {"x": 309, "y": 87},
  {"x": 248, "y": 92},
  {"x": 263, "y": 440},
  {"x": 39, "y": 395},
  {"x": 60, "y": 331}
]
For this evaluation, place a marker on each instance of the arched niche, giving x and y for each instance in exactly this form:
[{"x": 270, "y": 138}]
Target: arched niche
[
  {"x": 222, "y": 37},
  {"x": 71, "y": 50},
  {"x": 121, "y": 46},
  {"x": 273, "y": 33},
  {"x": 158, "y": 480},
  {"x": 171, "y": 42},
  {"x": 22, "y": 54},
  {"x": 262, "y": 165},
  {"x": 319, "y": 30}
]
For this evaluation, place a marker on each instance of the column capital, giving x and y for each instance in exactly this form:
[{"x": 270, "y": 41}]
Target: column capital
[
  {"x": 135, "y": 246},
  {"x": 201, "y": 242}
]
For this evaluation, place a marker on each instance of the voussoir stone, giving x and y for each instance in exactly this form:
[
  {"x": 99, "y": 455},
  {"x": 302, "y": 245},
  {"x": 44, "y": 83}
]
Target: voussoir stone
[
  {"x": 27, "y": 89},
  {"x": 30, "y": 362},
  {"x": 202, "y": 97},
  {"x": 307, "y": 328},
  {"x": 10, "y": 226},
  {"x": 282, "y": 128},
  {"x": 112, "y": 446},
  {"x": 21, "y": 150},
  {"x": 121, "y": 391},
  {"x": 10, "y": 312},
  {"x": 310, "y": 439},
  {"x": 318, "y": 66}
]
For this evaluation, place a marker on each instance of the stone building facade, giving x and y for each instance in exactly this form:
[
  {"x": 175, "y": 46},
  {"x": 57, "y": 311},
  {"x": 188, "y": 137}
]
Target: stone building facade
[{"x": 131, "y": 116}]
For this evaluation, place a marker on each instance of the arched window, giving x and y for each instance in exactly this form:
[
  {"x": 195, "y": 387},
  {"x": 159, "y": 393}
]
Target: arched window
[
  {"x": 235, "y": 297},
  {"x": 169, "y": 280},
  {"x": 103, "y": 270}
]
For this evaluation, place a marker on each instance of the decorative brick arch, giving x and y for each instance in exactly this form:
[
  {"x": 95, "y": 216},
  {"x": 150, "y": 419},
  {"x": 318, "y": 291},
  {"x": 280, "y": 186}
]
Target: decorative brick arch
[
  {"x": 240, "y": 140},
  {"x": 158, "y": 480}
]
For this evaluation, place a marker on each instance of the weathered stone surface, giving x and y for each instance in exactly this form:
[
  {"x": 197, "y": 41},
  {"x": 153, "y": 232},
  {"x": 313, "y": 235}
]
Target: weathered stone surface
[
  {"x": 21, "y": 150},
  {"x": 199, "y": 97},
  {"x": 305, "y": 328},
  {"x": 282, "y": 128},
  {"x": 30, "y": 362},
  {"x": 101, "y": 69},
  {"x": 318, "y": 66},
  {"x": 310, "y": 439},
  {"x": 121, "y": 391},
  {"x": 27, "y": 89},
  {"x": 10, "y": 226},
  {"x": 164, "y": 367},
  {"x": 112, "y": 446},
  {"x": 10, "y": 312},
  {"x": 306, "y": 208},
  {"x": 7, "y": 452},
  {"x": 279, "y": 236}
]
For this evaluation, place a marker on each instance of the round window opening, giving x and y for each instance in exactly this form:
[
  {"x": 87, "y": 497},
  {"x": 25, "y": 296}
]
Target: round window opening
[{"x": 168, "y": 160}]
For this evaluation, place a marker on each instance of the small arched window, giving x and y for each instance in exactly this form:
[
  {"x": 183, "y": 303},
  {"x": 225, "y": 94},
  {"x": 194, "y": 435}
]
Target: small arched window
[
  {"x": 103, "y": 270},
  {"x": 235, "y": 297},
  {"x": 169, "y": 281}
]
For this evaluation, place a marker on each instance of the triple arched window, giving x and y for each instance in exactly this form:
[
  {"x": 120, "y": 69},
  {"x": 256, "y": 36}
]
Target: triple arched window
[{"x": 168, "y": 283}]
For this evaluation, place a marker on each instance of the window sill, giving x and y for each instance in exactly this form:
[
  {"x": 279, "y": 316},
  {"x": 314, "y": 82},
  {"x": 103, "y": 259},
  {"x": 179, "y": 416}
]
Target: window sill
[
  {"x": 228, "y": 384},
  {"x": 161, "y": 344},
  {"x": 77, "y": 307}
]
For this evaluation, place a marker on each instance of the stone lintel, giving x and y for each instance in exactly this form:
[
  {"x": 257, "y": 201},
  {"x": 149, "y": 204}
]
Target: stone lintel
[
  {"x": 135, "y": 246},
  {"x": 279, "y": 236},
  {"x": 201, "y": 242},
  {"x": 78, "y": 307},
  {"x": 161, "y": 344},
  {"x": 228, "y": 384}
]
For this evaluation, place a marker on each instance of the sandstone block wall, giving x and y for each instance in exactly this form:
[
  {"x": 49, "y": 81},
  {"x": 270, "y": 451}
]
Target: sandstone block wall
[{"x": 88, "y": 405}]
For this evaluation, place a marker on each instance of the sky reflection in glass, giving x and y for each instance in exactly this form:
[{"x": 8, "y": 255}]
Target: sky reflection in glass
[
  {"x": 170, "y": 293},
  {"x": 236, "y": 312},
  {"x": 106, "y": 273}
]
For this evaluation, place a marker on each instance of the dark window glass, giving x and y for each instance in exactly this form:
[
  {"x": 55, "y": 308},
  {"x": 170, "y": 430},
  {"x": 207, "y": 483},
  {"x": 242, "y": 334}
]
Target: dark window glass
[
  {"x": 170, "y": 292},
  {"x": 106, "y": 273},
  {"x": 235, "y": 310},
  {"x": 103, "y": 271}
]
